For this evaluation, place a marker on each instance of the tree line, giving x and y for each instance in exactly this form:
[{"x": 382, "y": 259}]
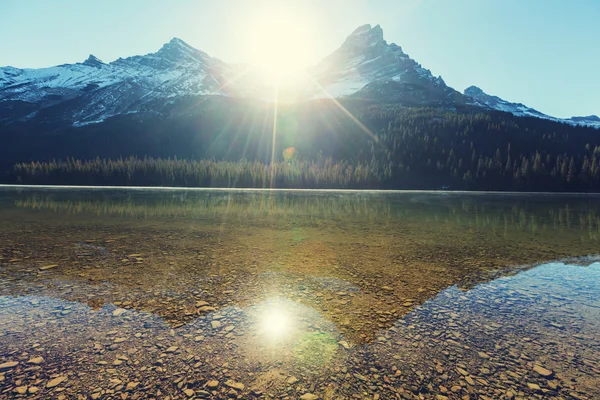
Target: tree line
[
  {"x": 396, "y": 148},
  {"x": 149, "y": 171}
]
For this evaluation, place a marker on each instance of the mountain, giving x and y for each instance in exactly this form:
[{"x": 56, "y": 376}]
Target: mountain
[
  {"x": 92, "y": 91},
  {"x": 521, "y": 110},
  {"x": 364, "y": 68}
]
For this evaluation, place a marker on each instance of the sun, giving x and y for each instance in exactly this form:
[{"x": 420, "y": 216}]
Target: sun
[{"x": 280, "y": 43}]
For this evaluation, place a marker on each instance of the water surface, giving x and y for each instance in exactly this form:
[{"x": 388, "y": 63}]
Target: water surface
[{"x": 222, "y": 294}]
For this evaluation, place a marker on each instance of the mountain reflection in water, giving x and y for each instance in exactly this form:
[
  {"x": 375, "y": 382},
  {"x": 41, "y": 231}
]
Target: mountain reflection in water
[{"x": 222, "y": 294}]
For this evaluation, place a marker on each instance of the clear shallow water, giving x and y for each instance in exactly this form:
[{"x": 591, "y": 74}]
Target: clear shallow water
[{"x": 143, "y": 294}]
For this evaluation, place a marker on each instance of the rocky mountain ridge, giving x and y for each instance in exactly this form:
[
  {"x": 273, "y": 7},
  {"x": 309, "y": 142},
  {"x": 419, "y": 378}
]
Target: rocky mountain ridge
[{"x": 364, "y": 67}]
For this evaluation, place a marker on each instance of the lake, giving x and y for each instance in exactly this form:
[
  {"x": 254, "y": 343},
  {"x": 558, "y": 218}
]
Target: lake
[{"x": 160, "y": 293}]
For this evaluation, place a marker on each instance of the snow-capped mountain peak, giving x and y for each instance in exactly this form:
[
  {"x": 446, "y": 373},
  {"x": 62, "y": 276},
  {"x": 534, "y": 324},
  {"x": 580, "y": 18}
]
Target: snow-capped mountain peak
[
  {"x": 367, "y": 66},
  {"x": 178, "y": 50},
  {"x": 365, "y": 36},
  {"x": 499, "y": 104},
  {"x": 521, "y": 110},
  {"x": 122, "y": 86},
  {"x": 174, "y": 54}
]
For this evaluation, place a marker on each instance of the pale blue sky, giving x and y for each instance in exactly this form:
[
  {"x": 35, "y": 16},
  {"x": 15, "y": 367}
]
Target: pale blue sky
[{"x": 543, "y": 53}]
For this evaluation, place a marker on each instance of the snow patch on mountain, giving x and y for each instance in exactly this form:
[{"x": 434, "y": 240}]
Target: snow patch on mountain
[
  {"x": 177, "y": 69},
  {"x": 521, "y": 110}
]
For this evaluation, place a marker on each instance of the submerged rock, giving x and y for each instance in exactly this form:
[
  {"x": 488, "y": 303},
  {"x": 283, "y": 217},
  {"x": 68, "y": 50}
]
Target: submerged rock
[
  {"x": 56, "y": 381},
  {"x": 8, "y": 365},
  {"x": 546, "y": 373}
]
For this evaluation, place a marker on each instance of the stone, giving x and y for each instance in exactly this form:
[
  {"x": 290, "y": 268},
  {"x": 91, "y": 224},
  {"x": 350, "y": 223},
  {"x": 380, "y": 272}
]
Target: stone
[
  {"x": 36, "y": 360},
  {"x": 56, "y": 381},
  {"x": 189, "y": 392},
  {"x": 33, "y": 389},
  {"x": 215, "y": 324},
  {"x": 344, "y": 344},
  {"x": 291, "y": 380},
  {"x": 212, "y": 384},
  {"x": 21, "y": 389},
  {"x": 8, "y": 365},
  {"x": 131, "y": 386},
  {"x": 360, "y": 377},
  {"x": 45, "y": 267},
  {"x": 234, "y": 385},
  {"x": 118, "y": 312},
  {"x": 201, "y": 303},
  {"x": 308, "y": 396},
  {"x": 546, "y": 373},
  {"x": 534, "y": 387},
  {"x": 171, "y": 349}
]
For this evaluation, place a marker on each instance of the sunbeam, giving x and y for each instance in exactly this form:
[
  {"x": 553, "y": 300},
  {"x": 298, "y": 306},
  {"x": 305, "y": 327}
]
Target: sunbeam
[
  {"x": 343, "y": 109},
  {"x": 234, "y": 79},
  {"x": 275, "y": 109}
]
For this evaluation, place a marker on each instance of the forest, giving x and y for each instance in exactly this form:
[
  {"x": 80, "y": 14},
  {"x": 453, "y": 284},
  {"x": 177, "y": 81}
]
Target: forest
[{"x": 391, "y": 147}]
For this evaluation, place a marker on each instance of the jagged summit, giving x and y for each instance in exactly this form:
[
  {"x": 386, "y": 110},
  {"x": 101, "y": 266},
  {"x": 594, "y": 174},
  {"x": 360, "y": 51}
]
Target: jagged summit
[
  {"x": 365, "y": 36},
  {"x": 367, "y": 30},
  {"x": 366, "y": 61},
  {"x": 176, "y": 50},
  {"x": 176, "y": 43},
  {"x": 93, "y": 61}
]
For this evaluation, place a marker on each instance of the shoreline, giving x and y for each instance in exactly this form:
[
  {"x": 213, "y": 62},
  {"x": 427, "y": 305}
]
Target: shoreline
[{"x": 225, "y": 189}]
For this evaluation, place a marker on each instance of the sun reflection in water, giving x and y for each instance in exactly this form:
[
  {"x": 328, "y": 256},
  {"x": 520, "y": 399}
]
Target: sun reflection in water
[{"x": 276, "y": 322}]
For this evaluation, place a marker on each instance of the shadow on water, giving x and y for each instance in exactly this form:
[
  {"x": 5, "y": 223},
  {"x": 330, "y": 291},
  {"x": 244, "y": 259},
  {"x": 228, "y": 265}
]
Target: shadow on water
[{"x": 231, "y": 294}]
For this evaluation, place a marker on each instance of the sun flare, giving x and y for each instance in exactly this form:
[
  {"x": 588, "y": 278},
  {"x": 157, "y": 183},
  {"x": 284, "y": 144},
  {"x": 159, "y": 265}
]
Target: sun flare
[{"x": 280, "y": 42}]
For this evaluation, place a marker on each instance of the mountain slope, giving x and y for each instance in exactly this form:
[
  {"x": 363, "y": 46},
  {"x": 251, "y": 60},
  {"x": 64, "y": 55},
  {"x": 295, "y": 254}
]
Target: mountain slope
[
  {"x": 521, "y": 110},
  {"x": 103, "y": 90},
  {"x": 366, "y": 66}
]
